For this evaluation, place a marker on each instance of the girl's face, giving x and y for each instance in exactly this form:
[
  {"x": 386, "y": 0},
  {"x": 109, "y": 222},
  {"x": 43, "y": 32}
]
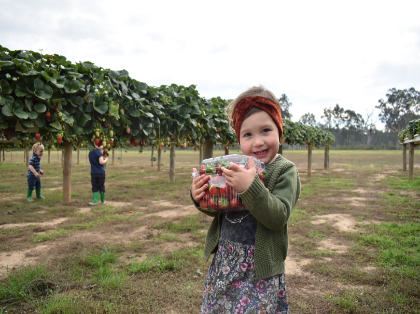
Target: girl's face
[{"x": 259, "y": 137}]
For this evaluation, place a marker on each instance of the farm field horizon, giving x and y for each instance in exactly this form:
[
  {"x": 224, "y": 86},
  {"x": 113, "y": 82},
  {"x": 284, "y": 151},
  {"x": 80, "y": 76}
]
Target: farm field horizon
[{"x": 354, "y": 236}]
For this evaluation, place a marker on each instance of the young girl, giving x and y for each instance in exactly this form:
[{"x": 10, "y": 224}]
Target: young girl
[
  {"x": 97, "y": 174},
  {"x": 247, "y": 271},
  {"x": 34, "y": 171}
]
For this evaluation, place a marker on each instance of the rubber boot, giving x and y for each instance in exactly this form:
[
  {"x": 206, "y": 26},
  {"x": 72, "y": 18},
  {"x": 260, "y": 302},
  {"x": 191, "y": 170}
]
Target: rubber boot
[
  {"x": 38, "y": 194},
  {"x": 103, "y": 198},
  {"x": 95, "y": 199},
  {"x": 29, "y": 197}
]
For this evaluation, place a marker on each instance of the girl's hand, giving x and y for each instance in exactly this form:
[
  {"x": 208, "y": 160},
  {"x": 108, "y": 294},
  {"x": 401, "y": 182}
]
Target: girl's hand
[
  {"x": 239, "y": 178},
  {"x": 36, "y": 175},
  {"x": 42, "y": 172},
  {"x": 198, "y": 186}
]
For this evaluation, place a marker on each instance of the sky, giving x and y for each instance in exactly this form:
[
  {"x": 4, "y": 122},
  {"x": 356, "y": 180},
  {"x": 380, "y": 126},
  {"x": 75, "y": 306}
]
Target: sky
[{"x": 318, "y": 53}]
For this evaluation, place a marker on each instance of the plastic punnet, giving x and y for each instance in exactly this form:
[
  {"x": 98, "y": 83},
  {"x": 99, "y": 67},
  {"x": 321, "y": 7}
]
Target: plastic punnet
[{"x": 220, "y": 197}]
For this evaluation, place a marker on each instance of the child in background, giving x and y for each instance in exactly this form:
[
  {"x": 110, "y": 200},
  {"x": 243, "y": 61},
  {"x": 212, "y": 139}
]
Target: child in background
[
  {"x": 97, "y": 174},
  {"x": 34, "y": 171},
  {"x": 247, "y": 271}
]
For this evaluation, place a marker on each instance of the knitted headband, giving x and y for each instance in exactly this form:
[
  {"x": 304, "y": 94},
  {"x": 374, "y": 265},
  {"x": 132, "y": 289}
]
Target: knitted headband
[{"x": 245, "y": 104}]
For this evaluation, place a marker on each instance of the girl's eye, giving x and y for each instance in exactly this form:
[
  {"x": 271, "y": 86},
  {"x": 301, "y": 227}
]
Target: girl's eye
[
  {"x": 266, "y": 130},
  {"x": 247, "y": 134}
]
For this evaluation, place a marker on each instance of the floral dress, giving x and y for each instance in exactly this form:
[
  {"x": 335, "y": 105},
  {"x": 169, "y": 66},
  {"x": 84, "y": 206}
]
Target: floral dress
[{"x": 231, "y": 285}]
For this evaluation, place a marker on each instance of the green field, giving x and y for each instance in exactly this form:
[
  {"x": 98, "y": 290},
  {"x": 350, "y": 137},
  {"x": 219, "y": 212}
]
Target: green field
[{"x": 354, "y": 237}]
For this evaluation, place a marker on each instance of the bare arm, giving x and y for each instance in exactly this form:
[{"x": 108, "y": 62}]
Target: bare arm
[
  {"x": 32, "y": 169},
  {"x": 103, "y": 160}
]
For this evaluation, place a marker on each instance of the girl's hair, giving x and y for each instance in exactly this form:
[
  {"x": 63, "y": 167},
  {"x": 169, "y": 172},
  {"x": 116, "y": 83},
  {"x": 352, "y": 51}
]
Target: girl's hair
[
  {"x": 36, "y": 145},
  {"x": 253, "y": 91}
]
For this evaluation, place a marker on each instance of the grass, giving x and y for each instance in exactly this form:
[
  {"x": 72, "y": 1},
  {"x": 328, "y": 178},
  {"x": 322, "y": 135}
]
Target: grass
[{"x": 108, "y": 260}]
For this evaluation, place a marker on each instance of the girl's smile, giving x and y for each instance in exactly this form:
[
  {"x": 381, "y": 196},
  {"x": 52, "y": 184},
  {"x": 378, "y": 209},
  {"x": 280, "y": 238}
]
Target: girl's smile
[{"x": 259, "y": 137}]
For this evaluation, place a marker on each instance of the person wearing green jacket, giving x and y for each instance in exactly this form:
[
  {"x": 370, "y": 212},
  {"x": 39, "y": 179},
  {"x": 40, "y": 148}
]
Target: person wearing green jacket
[{"x": 248, "y": 268}]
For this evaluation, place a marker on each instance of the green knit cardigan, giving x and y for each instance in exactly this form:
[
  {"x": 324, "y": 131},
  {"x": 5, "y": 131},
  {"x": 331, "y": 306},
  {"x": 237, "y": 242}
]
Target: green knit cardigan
[{"x": 271, "y": 205}]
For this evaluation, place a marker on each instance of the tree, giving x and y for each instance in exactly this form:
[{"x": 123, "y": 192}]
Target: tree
[
  {"x": 285, "y": 105},
  {"x": 400, "y": 107},
  {"x": 308, "y": 119}
]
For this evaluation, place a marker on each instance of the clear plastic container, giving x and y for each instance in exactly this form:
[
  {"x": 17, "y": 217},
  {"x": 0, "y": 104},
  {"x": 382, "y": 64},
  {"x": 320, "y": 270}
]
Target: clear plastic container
[{"x": 220, "y": 197}]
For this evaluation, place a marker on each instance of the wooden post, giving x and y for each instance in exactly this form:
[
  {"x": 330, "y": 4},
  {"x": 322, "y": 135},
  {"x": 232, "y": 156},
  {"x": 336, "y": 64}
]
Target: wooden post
[
  {"x": 208, "y": 148},
  {"x": 113, "y": 155},
  {"x": 201, "y": 154},
  {"x": 153, "y": 152},
  {"x": 57, "y": 154},
  {"x": 404, "y": 157},
  {"x": 121, "y": 155},
  {"x": 159, "y": 158},
  {"x": 280, "y": 149},
  {"x": 172, "y": 164},
  {"x": 49, "y": 155},
  {"x": 309, "y": 160},
  {"x": 27, "y": 156},
  {"x": 327, "y": 157},
  {"x": 62, "y": 158},
  {"x": 67, "y": 152},
  {"x": 78, "y": 155},
  {"x": 411, "y": 162},
  {"x": 24, "y": 155},
  {"x": 226, "y": 150},
  {"x": 4, "y": 158}
]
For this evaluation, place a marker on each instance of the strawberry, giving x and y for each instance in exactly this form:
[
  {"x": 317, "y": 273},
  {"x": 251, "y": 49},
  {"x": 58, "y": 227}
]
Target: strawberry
[
  {"x": 105, "y": 152},
  {"x": 195, "y": 148},
  {"x": 161, "y": 144},
  {"x": 204, "y": 202},
  {"x": 136, "y": 143},
  {"x": 56, "y": 110},
  {"x": 38, "y": 137},
  {"x": 59, "y": 139},
  {"x": 213, "y": 190},
  {"x": 111, "y": 143},
  {"x": 234, "y": 202},
  {"x": 132, "y": 139},
  {"x": 202, "y": 170},
  {"x": 224, "y": 188},
  {"x": 48, "y": 115},
  {"x": 223, "y": 203},
  {"x": 213, "y": 202},
  {"x": 128, "y": 130},
  {"x": 97, "y": 141}
]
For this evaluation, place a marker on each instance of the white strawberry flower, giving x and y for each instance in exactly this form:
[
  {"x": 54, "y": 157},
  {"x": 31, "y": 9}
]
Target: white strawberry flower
[
  {"x": 38, "y": 61},
  {"x": 96, "y": 90},
  {"x": 6, "y": 52},
  {"x": 106, "y": 93},
  {"x": 8, "y": 76},
  {"x": 15, "y": 79},
  {"x": 61, "y": 66},
  {"x": 24, "y": 51}
]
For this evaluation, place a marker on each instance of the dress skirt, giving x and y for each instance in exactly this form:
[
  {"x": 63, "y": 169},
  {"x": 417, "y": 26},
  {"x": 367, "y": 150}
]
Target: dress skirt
[{"x": 231, "y": 285}]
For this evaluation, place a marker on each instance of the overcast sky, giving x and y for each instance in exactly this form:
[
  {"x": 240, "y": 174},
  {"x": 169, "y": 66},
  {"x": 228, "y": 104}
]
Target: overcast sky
[{"x": 318, "y": 53}]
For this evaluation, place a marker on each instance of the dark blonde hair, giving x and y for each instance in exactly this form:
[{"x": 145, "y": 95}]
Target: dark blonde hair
[
  {"x": 36, "y": 145},
  {"x": 251, "y": 92}
]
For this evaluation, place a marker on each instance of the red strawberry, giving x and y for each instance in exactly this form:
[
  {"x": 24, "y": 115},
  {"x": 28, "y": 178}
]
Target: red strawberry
[
  {"x": 213, "y": 190},
  {"x": 105, "y": 152},
  {"x": 195, "y": 148},
  {"x": 48, "y": 115},
  {"x": 128, "y": 130},
  {"x": 38, "y": 137},
  {"x": 202, "y": 170},
  {"x": 111, "y": 143},
  {"x": 161, "y": 144},
  {"x": 59, "y": 139},
  {"x": 132, "y": 139},
  {"x": 213, "y": 202},
  {"x": 234, "y": 202},
  {"x": 136, "y": 143},
  {"x": 224, "y": 190},
  {"x": 204, "y": 202},
  {"x": 96, "y": 141},
  {"x": 56, "y": 110},
  {"x": 223, "y": 203}
]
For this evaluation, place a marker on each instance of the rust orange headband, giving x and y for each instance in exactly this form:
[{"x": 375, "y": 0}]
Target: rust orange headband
[{"x": 245, "y": 104}]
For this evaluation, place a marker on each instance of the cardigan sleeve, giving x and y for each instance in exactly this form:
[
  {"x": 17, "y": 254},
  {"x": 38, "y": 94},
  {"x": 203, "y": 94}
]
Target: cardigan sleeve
[{"x": 273, "y": 209}]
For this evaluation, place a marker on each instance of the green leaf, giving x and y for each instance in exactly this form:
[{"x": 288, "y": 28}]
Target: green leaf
[
  {"x": 101, "y": 107},
  {"x": 6, "y": 100},
  {"x": 42, "y": 90},
  {"x": 134, "y": 113},
  {"x": 40, "y": 122},
  {"x": 27, "y": 123},
  {"x": 148, "y": 114},
  {"x": 21, "y": 114},
  {"x": 5, "y": 87},
  {"x": 7, "y": 110},
  {"x": 6, "y": 63},
  {"x": 71, "y": 86},
  {"x": 83, "y": 119},
  {"x": 28, "y": 103},
  {"x": 40, "y": 107},
  {"x": 113, "y": 110},
  {"x": 59, "y": 83},
  {"x": 33, "y": 115},
  {"x": 56, "y": 125},
  {"x": 90, "y": 145}
]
